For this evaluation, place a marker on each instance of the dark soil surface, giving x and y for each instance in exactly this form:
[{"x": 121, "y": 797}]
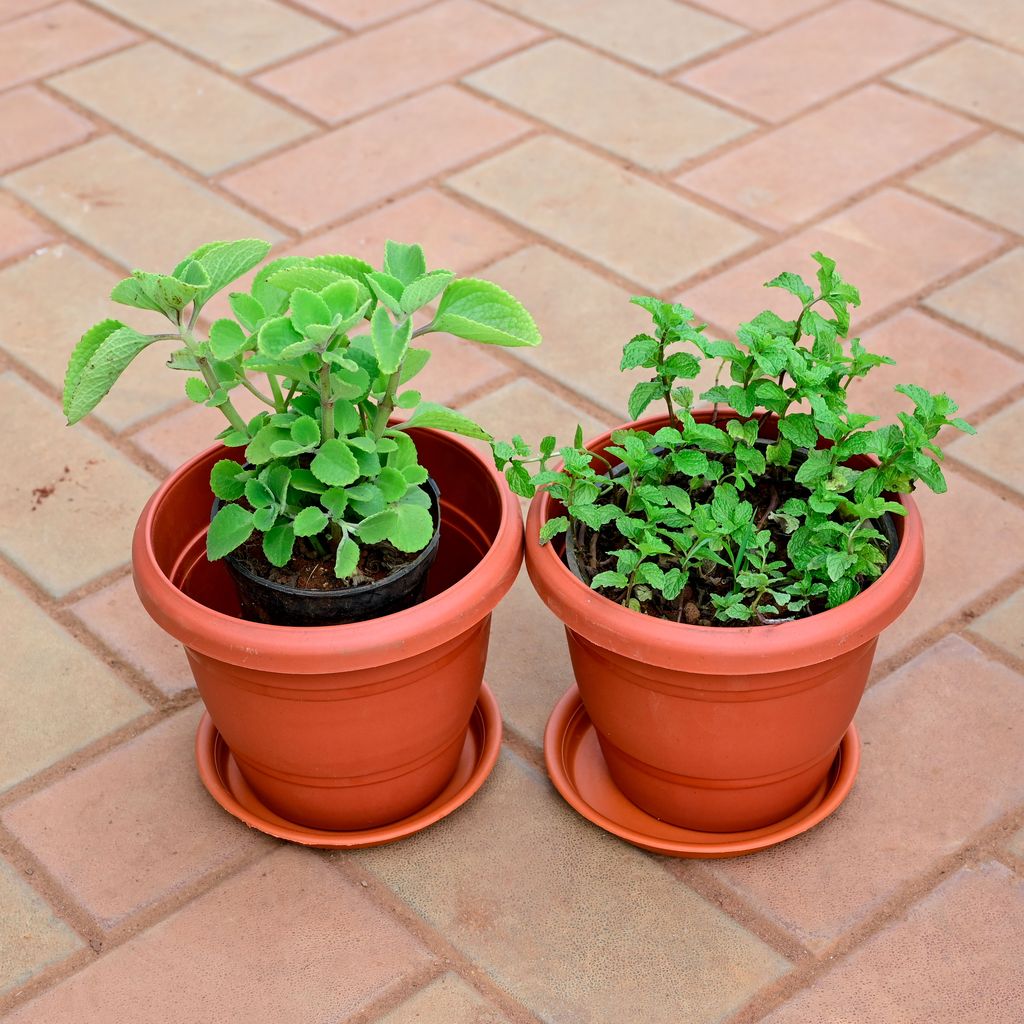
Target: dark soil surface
[
  {"x": 309, "y": 570},
  {"x": 694, "y": 605}
]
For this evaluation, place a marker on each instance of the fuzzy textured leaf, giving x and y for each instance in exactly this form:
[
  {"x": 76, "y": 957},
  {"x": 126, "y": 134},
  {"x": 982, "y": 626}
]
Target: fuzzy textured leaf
[{"x": 481, "y": 311}]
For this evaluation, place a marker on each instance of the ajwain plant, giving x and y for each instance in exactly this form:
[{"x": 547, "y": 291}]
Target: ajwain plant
[
  {"x": 326, "y": 343},
  {"x": 702, "y": 520}
]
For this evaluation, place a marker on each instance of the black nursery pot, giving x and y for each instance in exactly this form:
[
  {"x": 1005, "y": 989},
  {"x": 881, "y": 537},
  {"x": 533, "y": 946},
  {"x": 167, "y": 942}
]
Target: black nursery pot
[{"x": 262, "y": 600}]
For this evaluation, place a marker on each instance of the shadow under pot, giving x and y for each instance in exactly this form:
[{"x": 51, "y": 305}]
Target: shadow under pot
[{"x": 278, "y": 604}]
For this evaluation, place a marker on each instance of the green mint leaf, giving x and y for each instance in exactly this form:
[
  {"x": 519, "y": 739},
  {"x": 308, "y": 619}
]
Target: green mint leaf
[
  {"x": 404, "y": 262},
  {"x": 346, "y": 558},
  {"x": 817, "y": 466},
  {"x": 682, "y": 365},
  {"x": 609, "y": 580},
  {"x": 642, "y": 350},
  {"x": 709, "y": 438},
  {"x": 691, "y": 463},
  {"x": 799, "y": 429},
  {"x": 642, "y": 395},
  {"x": 794, "y": 284},
  {"x": 840, "y": 591},
  {"x": 552, "y": 528},
  {"x": 826, "y": 272},
  {"x": 335, "y": 464},
  {"x": 439, "y": 417},
  {"x": 481, "y": 311},
  {"x": 231, "y": 527},
  {"x": 928, "y": 470},
  {"x": 519, "y": 482}
]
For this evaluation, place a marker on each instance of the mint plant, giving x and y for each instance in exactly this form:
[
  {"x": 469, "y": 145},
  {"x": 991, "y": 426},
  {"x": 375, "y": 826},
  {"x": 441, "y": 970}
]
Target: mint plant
[
  {"x": 326, "y": 343},
  {"x": 702, "y": 520}
]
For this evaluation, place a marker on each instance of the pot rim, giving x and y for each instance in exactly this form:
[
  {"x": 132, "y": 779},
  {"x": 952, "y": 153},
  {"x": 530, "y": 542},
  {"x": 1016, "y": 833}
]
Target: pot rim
[
  {"x": 347, "y": 646},
  {"x": 715, "y": 650}
]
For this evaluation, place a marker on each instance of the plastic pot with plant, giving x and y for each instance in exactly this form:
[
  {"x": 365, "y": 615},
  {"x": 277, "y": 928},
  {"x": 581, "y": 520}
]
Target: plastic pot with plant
[
  {"x": 724, "y": 572},
  {"x": 330, "y": 565}
]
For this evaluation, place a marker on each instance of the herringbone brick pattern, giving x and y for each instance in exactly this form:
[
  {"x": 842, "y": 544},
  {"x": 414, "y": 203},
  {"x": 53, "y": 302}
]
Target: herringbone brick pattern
[{"x": 578, "y": 153}]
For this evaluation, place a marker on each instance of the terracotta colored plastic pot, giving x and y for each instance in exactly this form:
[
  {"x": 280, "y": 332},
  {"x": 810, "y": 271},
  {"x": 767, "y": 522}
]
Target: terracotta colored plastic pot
[
  {"x": 348, "y": 726},
  {"x": 720, "y": 729}
]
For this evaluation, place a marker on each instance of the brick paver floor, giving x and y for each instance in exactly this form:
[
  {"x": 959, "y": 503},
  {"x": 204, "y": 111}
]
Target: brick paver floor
[{"x": 578, "y": 152}]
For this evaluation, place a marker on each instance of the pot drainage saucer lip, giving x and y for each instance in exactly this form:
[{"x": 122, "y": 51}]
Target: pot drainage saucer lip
[
  {"x": 577, "y": 769},
  {"x": 225, "y": 784}
]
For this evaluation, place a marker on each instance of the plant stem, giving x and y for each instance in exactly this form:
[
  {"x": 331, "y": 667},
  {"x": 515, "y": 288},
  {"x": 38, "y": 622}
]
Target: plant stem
[
  {"x": 387, "y": 405},
  {"x": 326, "y": 402},
  {"x": 227, "y": 408},
  {"x": 275, "y": 390},
  {"x": 666, "y": 382}
]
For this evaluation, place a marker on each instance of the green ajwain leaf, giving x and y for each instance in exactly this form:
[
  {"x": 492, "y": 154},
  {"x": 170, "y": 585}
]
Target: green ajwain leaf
[
  {"x": 413, "y": 529},
  {"x": 278, "y": 543},
  {"x": 335, "y": 464},
  {"x": 227, "y": 480},
  {"x": 346, "y": 559},
  {"x": 197, "y": 390},
  {"x": 390, "y": 343},
  {"x": 227, "y": 339},
  {"x": 481, "y": 311},
  {"x": 310, "y": 521},
  {"x": 101, "y": 356},
  {"x": 231, "y": 527},
  {"x": 439, "y": 417},
  {"x": 404, "y": 262},
  {"x": 424, "y": 289}
]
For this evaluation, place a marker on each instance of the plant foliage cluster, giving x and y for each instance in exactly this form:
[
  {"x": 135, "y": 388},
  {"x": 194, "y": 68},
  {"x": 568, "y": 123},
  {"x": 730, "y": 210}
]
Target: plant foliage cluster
[
  {"x": 326, "y": 343},
  {"x": 687, "y": 504}
]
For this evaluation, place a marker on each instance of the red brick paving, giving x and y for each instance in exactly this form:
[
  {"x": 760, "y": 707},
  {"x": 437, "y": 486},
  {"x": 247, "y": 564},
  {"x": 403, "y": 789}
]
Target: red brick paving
[{"x": 885, "y": 132}]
